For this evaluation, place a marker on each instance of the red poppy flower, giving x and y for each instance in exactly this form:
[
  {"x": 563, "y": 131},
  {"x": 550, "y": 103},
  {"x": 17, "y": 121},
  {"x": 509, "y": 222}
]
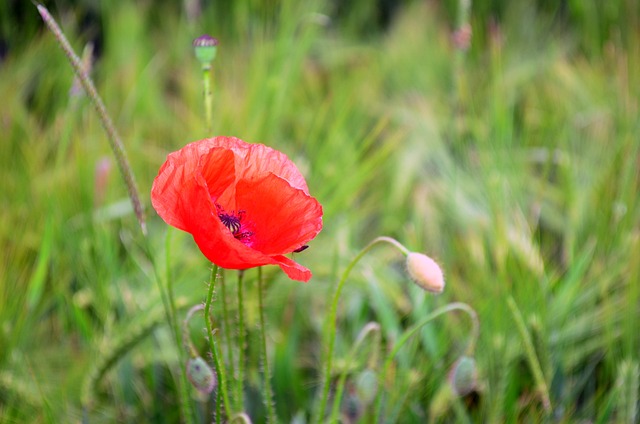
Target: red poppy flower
[{"x": 245, "y": 205}]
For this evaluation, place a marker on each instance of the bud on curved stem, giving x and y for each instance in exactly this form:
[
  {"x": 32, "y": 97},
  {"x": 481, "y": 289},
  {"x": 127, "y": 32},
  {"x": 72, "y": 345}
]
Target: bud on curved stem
[
  {"x": 414, "y": 329},
  {"x": 463, "y": 376},
  {"x": 330, "y": 323},
  {"x": 425, "y": 272}
]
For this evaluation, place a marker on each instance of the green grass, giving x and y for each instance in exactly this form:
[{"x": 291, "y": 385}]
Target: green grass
[{"x": 514, "y": 165}]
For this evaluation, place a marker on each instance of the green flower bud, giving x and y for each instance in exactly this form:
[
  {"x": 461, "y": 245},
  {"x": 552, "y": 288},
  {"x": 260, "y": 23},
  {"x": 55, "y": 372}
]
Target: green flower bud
[{"x": 463, "y": 376}]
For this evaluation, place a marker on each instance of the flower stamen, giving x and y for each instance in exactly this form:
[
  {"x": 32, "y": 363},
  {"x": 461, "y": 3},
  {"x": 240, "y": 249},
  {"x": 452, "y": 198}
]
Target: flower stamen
[{"x": 233, "y": 221}]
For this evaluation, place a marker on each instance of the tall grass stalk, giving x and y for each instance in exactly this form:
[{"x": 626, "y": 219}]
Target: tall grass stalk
[
  {"x": 112, "y": 134},
  {"x": 532, "y": 358}
]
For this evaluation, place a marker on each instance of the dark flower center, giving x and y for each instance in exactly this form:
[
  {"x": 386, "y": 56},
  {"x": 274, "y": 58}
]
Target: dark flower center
[{"x": 233, "y": 221}]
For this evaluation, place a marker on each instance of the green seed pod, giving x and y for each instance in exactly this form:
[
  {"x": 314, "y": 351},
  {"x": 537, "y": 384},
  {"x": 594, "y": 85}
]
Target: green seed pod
[
  {"x": 463, "y": 376},
  {"x": 206, "y": 48},
  {"x": 201, "y": 375}
]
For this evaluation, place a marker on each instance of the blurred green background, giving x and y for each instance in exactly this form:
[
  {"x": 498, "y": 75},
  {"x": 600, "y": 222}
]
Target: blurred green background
[{"x": 515, "y": 163}]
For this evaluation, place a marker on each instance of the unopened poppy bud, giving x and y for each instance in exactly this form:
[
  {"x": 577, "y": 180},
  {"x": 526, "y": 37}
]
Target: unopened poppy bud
[
  {"x": 425, "y": 272},
  {"x": 463, "y": 376},
  {"x": 201, "y": 375},
  {"x": 206, "y": 48},
  {"x": 367, "y": 386}
]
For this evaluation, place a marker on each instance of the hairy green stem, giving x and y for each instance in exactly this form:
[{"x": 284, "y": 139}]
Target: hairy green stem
[
  {"x": 112, "y": 134},
  {"x": 241, "y": 344},
  {"x": 208, "y": 97},
  {"x": 226, "y": 325},
  {"x": 268, "y": 390},
  {"x": 330, "y": 323},
  {"x": 414, "y": 329},
  {"x": 220, "y": 370}
]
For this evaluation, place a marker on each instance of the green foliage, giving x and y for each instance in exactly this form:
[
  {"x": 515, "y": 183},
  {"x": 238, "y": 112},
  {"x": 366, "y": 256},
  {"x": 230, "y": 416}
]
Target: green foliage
[{"x": 515, "y": 165}]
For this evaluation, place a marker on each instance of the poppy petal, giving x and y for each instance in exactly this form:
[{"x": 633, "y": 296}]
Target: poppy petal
[
  {"x": 173, "y": 189},
  {"x": 294, "y": 270},
  {"x": 255, "y": 160},
  {"x": 282, "y": 217},
  {"x": 245, "y": 205}
]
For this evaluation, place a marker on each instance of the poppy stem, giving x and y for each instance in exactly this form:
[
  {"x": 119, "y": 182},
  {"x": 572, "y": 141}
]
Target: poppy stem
[
  {"x": 330, "y": 323},
  {"x": 208, "y": 98},
  {"x": 268, "y": 390},
  {"x": 112, "y": 134},
  {"x": 459, "y": 306},
  {"x": 225, "y": 322},
  {"x": 241, "y": 344},
  {"x": 220, "y": 371}
]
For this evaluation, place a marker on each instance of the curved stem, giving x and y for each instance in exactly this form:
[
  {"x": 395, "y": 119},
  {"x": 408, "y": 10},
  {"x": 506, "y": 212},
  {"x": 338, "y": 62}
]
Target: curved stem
[
  {"x": 220, "y": 370},
  {"x": 241, "y": 417},
  {"x": 330, "y": 324},
  {"x": 268, "y": 390},
  {"x": 186, "y": 338},
  {"x": 372, "y": 327},
  {"x": 411, "y": 331}
]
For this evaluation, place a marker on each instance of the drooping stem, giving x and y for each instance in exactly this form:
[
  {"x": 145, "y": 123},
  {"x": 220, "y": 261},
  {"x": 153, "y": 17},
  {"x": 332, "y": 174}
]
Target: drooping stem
[
  {"x": 213, "y": 346},
  {"x": 241, "y": 344},
  {"x": 112, "y": 134},
  {"x": 413, "y": 330},
  {"x": 268, "y": 390},
  {"x": 330, "y": 323},
  {"x": 371, "y": 328},
  {"x": 240, "y": 417},
  {"x": 186, "y": 338}
]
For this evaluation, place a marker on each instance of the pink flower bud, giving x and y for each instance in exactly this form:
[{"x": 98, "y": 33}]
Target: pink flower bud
[{"x": 425, "y": 272}]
